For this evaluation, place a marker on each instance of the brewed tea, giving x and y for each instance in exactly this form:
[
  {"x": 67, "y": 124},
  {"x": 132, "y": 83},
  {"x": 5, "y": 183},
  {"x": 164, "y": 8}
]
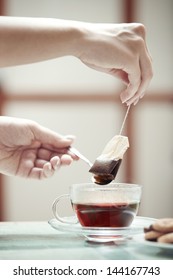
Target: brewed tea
[{"x": 106, "y": 215}]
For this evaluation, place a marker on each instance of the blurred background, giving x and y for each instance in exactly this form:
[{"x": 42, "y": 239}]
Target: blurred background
[{"x": 66, "y": 96}]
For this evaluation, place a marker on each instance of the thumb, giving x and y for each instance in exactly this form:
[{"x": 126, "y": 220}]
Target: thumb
[{"x": 50, "y": 137}]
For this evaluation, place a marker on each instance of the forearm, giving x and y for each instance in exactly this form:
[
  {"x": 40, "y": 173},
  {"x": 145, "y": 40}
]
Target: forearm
[
  {"x": 28, "y": 40},
  {"x": 116, "y": 49}
]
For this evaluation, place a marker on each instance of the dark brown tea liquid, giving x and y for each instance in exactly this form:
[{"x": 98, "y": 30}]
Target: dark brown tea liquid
[{"x": 106, "y": 215}]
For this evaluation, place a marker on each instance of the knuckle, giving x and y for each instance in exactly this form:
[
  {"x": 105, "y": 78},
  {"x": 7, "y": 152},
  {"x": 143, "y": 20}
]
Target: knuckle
[{"x": 139, "y": 29}]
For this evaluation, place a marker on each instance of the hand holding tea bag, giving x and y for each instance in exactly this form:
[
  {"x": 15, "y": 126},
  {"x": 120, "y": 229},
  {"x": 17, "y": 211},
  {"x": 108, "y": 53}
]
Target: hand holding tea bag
[{"x": 106, "y": 166}]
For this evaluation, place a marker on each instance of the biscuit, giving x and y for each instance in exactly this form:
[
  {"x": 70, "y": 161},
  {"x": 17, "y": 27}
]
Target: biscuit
[
  {"x": 163, "y": 225},
  {"x": 152, "y": 235},
  {"x": 147, "y": 229},
  {"x": 166, "y": 238}
]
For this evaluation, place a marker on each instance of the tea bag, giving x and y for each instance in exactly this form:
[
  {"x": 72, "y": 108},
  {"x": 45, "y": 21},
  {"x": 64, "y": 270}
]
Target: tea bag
[{"x": 106, "y": 166}]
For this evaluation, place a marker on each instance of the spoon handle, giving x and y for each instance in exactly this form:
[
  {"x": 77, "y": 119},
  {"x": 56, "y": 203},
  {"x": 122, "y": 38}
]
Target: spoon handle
[{"x": 77, "y": 153}]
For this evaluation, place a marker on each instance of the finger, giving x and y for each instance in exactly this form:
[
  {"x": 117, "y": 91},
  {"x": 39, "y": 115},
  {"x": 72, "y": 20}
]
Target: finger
[
  {"x": 35, "y": 173},
  {"x": 48, "y": 171},
  {"x": 146, "y": 73},
  {"x": 55, "y": 162},
  {"x": 146, "y": 76},
  {"x": 44, "y": 154},
  {"x": 39, "y": 163},
  {"x": 44, "y": 169},
  {"x": 120, "y": 74},
  {"x": 73, "y": 155},
  {"x": 134, "y": 100},
  {"x": 129, "y": 93},
  {"x": 134, "y": 82},
  {"x": 66, "y": 159},
  {"x": 47, "y": 136},
  {"x": 48, "y": 149},
  {"x": 50, "y": 167}
]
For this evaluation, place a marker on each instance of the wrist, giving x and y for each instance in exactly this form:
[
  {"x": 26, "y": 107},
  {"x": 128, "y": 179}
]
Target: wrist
[
  {"x": 69, "y": 37},
  {"x": 76, "y": 38}
]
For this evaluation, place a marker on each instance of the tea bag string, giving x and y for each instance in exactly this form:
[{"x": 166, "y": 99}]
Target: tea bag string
[{"x": 128, "y": 108}]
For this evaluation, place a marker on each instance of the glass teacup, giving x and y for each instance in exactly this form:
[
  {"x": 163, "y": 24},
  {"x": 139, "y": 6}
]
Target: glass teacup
[{"x": 113, "y": 205}]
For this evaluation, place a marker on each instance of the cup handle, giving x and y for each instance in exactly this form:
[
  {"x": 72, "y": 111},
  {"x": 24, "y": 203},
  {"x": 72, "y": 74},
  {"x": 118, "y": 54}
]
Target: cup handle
[{"x": 66, "y": 220}]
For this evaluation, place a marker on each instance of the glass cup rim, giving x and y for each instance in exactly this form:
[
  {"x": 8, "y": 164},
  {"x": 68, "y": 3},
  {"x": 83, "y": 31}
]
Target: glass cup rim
[{"x": 111, "y": 186}]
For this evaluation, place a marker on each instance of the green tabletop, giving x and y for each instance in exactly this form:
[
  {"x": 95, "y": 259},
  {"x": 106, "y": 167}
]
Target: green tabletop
[{"x": 39, "y": 241}]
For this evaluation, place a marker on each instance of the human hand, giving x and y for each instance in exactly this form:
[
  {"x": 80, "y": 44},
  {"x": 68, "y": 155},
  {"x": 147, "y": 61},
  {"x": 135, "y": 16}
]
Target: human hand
[
  {"x": 116, "y": 49},
  {"x": 30, "y": 150},
  {"x": 119, "y": 50}
]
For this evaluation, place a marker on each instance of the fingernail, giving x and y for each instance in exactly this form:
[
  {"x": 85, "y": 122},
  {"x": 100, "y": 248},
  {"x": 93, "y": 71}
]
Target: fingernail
[
  {"x": 70, "y": 137},
  {"x": 142, "y": 96}
]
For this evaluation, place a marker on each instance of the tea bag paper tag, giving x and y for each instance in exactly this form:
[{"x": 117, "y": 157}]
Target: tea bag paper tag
[{"x": 115, "y": 148}]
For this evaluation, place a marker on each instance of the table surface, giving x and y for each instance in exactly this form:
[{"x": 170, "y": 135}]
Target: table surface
[{"x": 39, "y": 241}]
